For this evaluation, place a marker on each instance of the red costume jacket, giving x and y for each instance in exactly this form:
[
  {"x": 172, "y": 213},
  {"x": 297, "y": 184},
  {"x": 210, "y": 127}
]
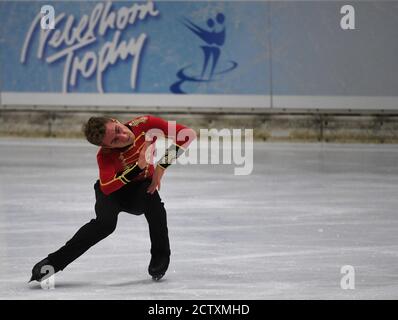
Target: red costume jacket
[{"x": 113, "y": 163}]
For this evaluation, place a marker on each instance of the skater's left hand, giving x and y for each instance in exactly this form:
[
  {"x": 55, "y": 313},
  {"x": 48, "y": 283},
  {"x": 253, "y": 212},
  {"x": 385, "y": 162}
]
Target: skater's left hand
[{"x": 157, "y": 176}]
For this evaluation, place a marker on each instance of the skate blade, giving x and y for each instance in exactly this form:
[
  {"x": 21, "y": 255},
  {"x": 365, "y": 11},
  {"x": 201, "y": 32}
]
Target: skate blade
[{"x": 158, "y": 277}]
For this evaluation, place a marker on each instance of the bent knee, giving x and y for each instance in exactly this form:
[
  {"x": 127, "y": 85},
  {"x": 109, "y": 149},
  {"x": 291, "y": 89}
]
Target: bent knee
[{"x": 106, "y": 227}]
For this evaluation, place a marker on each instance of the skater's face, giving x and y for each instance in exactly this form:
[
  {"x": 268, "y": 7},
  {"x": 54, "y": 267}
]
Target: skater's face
[{"x": 117, "y": 135}]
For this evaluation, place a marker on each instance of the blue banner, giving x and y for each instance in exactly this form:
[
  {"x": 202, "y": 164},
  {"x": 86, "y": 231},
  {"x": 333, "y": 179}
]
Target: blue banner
[
  {"x": 135, "y": 47},
  {"x": 272, "y": 54}
]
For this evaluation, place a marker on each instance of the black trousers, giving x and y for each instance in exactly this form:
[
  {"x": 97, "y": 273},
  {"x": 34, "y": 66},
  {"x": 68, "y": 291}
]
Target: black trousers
[{"x": 132, "y": 198}]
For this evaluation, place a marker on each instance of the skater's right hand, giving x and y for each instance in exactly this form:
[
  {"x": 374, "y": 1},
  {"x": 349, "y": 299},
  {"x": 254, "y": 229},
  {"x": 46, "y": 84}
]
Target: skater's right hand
[{"x": 157, "y": 176}]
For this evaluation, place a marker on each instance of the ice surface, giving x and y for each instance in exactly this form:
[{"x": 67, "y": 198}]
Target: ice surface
[{"x": 283, "y": 232}]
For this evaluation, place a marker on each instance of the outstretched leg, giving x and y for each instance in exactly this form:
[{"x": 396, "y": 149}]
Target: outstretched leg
[
  {"x": 216, "y": 54},
  {"x": 206, "y": 51},
  {"x": 88, "y": 235}
]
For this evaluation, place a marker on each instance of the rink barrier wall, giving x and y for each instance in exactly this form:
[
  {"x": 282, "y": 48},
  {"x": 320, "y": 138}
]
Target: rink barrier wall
[{"x": 368, "y": 126}]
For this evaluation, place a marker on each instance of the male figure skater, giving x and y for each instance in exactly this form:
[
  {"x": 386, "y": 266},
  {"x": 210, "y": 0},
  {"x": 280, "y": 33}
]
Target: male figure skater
[{"x": 128, "y": 181}]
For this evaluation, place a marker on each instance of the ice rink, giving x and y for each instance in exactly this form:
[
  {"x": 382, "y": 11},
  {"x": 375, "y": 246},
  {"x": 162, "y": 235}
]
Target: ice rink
[{"x": 283, "y": 232}]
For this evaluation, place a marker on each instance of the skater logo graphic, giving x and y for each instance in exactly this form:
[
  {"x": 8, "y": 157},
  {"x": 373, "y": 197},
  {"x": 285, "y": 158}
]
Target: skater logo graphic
[{"x": 214, "y": 38}]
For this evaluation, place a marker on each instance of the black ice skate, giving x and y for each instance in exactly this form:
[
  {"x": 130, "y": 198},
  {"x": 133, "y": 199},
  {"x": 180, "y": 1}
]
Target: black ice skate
[
  {"x": 158, "y": 267},
  {"x": 37, "y": 274}
]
